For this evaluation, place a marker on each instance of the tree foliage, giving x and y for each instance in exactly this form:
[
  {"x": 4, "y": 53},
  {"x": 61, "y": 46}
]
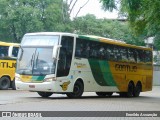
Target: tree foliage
[
  {"x": 143, "y": 15},
  {"x": 20, "y": 16},
  {"x": 107, "y": 28}
]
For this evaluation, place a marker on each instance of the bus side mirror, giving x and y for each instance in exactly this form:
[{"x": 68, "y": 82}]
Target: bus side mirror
[{"x": 55, "y": 51}]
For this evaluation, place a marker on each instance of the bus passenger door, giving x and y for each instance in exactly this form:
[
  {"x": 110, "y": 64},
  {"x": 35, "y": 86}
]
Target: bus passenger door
[{"x": 65, "y": 56}]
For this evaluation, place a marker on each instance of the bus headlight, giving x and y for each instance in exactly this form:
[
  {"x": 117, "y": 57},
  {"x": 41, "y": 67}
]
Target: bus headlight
[
  {"x": 49, "y": 79},
  {"x": 17, "y": 79}
]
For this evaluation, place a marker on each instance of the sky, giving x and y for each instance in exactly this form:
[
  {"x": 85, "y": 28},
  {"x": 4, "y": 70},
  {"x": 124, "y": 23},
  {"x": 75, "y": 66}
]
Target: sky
[{"x": 93, "y": 7}]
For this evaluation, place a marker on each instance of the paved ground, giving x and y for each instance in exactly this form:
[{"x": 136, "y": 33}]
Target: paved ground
[{"x": 11, "y": 100}]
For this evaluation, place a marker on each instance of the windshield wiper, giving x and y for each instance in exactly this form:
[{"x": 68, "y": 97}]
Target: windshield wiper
[
  {"x": 32, "y": 59},
  {"x": 32, "y": 62},
  {"x": 37, "y": 59}
]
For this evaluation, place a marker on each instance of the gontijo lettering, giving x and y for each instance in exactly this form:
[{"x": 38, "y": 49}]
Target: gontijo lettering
[
  {"x": 129, "y": 68},
  {"x": 7, "y": 65}
]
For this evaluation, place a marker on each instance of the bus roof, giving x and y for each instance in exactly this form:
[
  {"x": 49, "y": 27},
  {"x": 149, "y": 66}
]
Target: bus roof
[
  {"x": 8, "y": 44},
  {"x": 92, "y": 38},
  {"x": 51, "y": 33},
  {"x": 112, "y": 41}
]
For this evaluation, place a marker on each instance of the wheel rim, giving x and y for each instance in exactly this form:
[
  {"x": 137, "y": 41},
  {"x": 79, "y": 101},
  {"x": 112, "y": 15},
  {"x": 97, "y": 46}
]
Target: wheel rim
[
  {"x": 4, "y": 83},
  {"x": 76, "y": 89}
]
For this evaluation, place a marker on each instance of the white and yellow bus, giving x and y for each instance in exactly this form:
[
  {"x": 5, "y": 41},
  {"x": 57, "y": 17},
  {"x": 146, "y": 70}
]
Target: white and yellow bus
[
  {"x": 8, "y": 64},
  {"x": 65, "y": 63}
]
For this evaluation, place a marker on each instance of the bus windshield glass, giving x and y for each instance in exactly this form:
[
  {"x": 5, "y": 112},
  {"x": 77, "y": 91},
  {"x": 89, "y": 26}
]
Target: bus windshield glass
[{"x": 36, "y": 61}]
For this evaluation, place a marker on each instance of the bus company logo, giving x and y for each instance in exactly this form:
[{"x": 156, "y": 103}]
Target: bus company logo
[
  {"x": 65, "y": 85},
  {"x": 128, "y": 68},
  {"x": 80, "y": 65}
]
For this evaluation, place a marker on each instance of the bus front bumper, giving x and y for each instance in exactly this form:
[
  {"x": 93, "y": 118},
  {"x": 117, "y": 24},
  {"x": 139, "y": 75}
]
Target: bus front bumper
[{"x": 45, "y": 86}]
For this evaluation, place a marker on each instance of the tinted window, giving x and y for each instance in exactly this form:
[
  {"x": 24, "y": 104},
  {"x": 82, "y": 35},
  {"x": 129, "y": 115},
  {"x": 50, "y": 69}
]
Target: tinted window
[
  {"x": 3, "y": 51},
  {"x": 65, "y": 56},
  {"x": 15, "y": 51},
  {"x": 103, "y": 51}
]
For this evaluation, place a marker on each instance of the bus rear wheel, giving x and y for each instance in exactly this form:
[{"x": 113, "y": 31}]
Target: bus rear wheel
[
  {"x": 45, "y": 94},
  {"x": 137, "y": 90},
  {"x": 77, "y": 91},
  {"x": 4, "y": 83},
  {"x": 102, "y": 94},
  {"x": 130, "y": 91}
]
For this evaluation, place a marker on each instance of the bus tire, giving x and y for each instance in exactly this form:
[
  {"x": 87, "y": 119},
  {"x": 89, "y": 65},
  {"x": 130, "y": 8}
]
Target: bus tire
[
  {"x": 45, "y": 94},
  {"x": 13, "y": 85},
  {"x": 130, "y": 91},
  {"x": 122, "y": 94},
  {"x": 109, "y": 93},
  {"x": 137, "y": 90},
  {"x": 102, "y": 94},
  {"x": 4, "y": 83},
  {"x": 77, "y": 90}
]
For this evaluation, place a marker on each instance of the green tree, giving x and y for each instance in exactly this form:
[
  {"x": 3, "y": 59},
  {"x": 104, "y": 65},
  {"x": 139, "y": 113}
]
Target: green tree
[
  {"x": 85, "y": 24},
  {"x": 114, "y": 29},
  {"x": 143, "y": 15},
  {"x": 18, "y": 17}
]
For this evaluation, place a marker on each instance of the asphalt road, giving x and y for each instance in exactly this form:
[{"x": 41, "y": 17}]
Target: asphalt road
[{"x": 12, "y": 100}]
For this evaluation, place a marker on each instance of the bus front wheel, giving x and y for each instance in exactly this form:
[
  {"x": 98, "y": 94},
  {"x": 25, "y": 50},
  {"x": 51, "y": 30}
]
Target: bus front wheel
[
  {"x": 77, "y": 90},
  {"x": 45, "y": 94},
  {"x": 4, "y": 83},
  {"x": 13, "y": 85}
]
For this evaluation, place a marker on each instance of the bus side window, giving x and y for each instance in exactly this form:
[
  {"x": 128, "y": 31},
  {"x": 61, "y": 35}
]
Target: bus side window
[
  {"x": 101, "y": 52},
  {"x": 82, "y": 48},
  {"x": 124, "y": 54},
  {"x": 119, "y": 56},
  {"x": 140, "y": 56},
  {"x": 148, "y": 56},
  {"x": 88, "y": 50},
  {"x": 15, "y": 51},
  {"x": 107, "y": 52},
  {"x": 131, "y": 55},
  {"x": 135, "y": 55},
  {"x": 94, "y": 50},
  {"x": 4, "y": 51},
  {"x": 85, "y": 49},
  {"x": 78, "y": 48},
  {"x": 112, "y": 56}
]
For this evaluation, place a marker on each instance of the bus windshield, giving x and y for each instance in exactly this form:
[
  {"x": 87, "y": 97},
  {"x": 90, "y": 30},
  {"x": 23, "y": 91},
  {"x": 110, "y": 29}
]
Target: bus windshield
[
  {"x": 36, "y": 61},
  {"x": 35, "y": 55}
]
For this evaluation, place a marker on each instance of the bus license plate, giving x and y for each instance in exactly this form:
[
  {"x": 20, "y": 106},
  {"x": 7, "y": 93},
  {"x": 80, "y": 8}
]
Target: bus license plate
[{"x": 32, "y": 86}]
